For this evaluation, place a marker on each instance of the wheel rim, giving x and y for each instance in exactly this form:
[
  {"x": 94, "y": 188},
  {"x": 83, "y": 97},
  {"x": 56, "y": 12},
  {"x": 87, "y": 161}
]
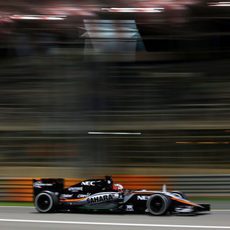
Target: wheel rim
[
  {"x": 157, "y": 204},
  {"x": 43, "y": 202}
]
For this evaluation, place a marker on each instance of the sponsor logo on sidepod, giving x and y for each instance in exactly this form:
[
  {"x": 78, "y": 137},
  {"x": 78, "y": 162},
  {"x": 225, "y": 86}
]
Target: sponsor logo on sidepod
[
  {"x": 75, "y": 189},
  {"x": 103, "y": 198},
  {"x": 142, "y": 197},
  {"x": 66, "y": 195}
]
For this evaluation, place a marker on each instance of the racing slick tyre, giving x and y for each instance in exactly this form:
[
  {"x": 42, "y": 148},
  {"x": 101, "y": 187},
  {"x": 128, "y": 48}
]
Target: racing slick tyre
[
  {"x": 46, "y": 202},
  {"x": 179, "y": 194},
  {"x": 158, "y": 204}
]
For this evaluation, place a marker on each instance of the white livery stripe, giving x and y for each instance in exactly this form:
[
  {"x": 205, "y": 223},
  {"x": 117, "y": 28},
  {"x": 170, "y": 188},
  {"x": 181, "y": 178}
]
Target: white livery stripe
[{"x": 115, "y": 224}]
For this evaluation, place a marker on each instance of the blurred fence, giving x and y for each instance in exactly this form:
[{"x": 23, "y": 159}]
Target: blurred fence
[
  {"x": 48, "y": 106},
  {"x": 20, "y": 189}
]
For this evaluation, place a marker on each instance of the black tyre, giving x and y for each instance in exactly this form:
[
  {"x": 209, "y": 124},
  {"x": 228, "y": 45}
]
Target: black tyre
[
  {"x": 179, "y": 194},
  {"x": 158, "y": 204},
  {"x": 46, "y": 202}
]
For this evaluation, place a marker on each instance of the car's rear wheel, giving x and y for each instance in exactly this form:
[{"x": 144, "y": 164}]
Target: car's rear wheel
[
  {"x": 46, "y": 202},
  {"x": 158, "y": 204}
]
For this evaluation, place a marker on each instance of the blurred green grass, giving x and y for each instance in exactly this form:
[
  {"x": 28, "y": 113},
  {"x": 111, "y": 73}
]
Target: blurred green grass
[
  {"x": 214, "y": 199},
  {"x": 16, "y": 204}
]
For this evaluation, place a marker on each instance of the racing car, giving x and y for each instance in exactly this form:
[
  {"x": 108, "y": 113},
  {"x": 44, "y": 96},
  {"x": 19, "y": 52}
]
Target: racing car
[{"x": 103, "y": 194}]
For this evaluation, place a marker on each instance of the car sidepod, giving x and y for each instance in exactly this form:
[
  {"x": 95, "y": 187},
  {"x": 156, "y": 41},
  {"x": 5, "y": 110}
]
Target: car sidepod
[{"x": 99, "y": 201}]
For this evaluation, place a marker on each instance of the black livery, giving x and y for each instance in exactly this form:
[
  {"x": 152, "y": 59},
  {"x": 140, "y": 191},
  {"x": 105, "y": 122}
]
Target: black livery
[{"x": 102, "y": 194}]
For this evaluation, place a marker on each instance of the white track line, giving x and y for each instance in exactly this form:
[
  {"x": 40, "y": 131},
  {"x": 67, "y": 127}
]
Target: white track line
[
  {"x": 113, "y": 133},
  {"x": 221, "y": 210},
  {"x": 115, "y": 224}
]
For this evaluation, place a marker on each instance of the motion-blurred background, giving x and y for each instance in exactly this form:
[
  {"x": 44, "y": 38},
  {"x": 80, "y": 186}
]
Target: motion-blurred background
[{"x": 128, "y": 87}]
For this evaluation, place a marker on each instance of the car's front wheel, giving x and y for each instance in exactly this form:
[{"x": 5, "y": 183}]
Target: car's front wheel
[
  {"x": 158, "y": 204},
  {"x": 179, "y": 194},
  {"x": 46, "y": 202}
]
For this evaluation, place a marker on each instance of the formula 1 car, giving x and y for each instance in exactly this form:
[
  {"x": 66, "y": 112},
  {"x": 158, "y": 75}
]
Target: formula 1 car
[{"x": 102, "y": 194}]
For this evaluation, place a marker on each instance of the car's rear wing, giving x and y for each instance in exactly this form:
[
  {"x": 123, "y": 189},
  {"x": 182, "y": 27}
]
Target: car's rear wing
[{"x": 47, "y": 184}]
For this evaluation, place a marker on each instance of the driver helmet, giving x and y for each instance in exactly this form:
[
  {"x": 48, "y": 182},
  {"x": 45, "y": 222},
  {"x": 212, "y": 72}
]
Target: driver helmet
[{"x": 118, "y": 188}]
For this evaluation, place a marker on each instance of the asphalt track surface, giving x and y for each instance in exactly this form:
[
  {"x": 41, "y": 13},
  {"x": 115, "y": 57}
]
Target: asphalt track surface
[{"x": 23, "y": 218}]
